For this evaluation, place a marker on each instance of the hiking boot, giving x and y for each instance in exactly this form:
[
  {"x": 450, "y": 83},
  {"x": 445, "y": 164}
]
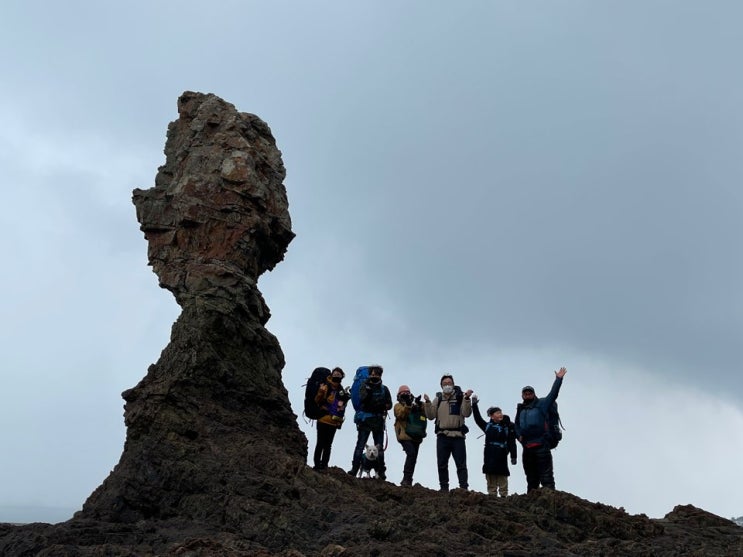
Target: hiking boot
[
  {"x": 406, "y": 483},
  {"x": 444, "y": 489},
  {"x": 353, "y": 471}
]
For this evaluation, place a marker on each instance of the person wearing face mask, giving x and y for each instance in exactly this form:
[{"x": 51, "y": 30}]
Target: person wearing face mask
[
  {"x": 533, "y": 433},
  {"x": 448, "y": 411},
  {"x": 376, "y": 401},
  {"x": 331, "y": 398}
]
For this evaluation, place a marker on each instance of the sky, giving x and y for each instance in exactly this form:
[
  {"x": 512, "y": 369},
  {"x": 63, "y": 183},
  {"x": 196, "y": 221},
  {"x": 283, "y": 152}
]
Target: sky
[{"x": 489, "y": 189}]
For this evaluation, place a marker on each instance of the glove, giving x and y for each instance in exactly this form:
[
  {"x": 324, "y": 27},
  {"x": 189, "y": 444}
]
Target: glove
[
  {"x": 513, "y": 461},
  {"x": 474, "y": 399}
]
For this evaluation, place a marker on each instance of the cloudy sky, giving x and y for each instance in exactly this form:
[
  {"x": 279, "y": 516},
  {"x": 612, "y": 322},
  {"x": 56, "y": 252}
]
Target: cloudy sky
[{"x": 492, "y": 189}]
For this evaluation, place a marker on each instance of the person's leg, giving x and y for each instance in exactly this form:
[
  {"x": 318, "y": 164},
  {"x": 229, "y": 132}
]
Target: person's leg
[
  {"x": 362, "y": 437},
  {"x": 459, "y": 451},
  {"x": 328, "y": 436},
  {"x": 490, "y": 480},
  {"x": 531, "y": 468},
  {"x": 317, "y": 456},
  {"x": 546, "y": 472},
  {"x": 411, "y": 455},
  {"x": 378, "y": 436},
  {"x": 501, "y": 482},
  {"x": 443, "y": 450}
]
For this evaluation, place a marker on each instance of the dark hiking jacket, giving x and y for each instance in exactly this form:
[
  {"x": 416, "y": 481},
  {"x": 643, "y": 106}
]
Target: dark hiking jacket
[
  {"x": 531, "y": 419},
  {"x": 500, "y": 441}
]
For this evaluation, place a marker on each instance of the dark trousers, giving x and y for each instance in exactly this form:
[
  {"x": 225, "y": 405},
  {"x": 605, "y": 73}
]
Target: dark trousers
[
  {"x": 538, "y": 467},
  {"x": 363, "y": 437},
  {"x": 411, "y": 457},
  {"x": 325, "y": 435},
  {"x": 455, "y": 447}
]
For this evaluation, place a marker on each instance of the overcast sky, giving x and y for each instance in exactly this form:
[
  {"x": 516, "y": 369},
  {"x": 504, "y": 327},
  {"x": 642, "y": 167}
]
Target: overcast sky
[{"x": 492, "y": 189}]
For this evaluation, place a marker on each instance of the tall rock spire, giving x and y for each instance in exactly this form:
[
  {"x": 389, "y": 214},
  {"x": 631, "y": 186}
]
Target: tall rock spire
[{"x": 210, "y": 425}]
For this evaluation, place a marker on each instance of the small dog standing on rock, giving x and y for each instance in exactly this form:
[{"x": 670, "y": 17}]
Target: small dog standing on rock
[{"x": 369, "y": 462}]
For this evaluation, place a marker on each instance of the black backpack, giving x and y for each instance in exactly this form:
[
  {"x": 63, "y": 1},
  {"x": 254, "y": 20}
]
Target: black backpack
[
  {"x": 553, "y": 426},
  {"x": 318, "y": 377}
]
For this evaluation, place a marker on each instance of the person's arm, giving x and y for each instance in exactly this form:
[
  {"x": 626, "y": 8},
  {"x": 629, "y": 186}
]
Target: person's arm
[
  {"x": 512, "y": 441},
  {"x": 478, "y": 417},
  {"x": 387, "y": 399},
  {"x": 429, "y": 408},
  {"x": 516, "y": 428},
  {"x": 552, "y": 396},
  {"x": 467, "y": 404},
  {"x": 401, "y": 412}
]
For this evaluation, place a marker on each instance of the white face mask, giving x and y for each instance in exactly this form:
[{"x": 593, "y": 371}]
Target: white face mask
[{"x": 447, "y": 389}]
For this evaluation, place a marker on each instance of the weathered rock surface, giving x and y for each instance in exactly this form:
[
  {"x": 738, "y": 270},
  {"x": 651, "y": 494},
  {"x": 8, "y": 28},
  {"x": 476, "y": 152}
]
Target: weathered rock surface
[{"x": 214, "y": 463}]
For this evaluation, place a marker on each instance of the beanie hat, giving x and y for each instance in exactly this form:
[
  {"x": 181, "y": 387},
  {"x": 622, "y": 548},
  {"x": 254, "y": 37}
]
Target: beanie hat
[
  {"x": 528, "y": 388},
  {"x": 403, "y": 388}
]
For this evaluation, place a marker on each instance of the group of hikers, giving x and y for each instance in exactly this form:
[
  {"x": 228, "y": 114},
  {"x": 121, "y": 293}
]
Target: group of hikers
[{"x": 535, "y": 426}]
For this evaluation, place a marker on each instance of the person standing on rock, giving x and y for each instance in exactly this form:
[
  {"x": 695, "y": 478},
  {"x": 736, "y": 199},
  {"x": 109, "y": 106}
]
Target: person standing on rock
[
  {"x": 500, "y": 441},
  {"x": 331, "y": 398},
  {"x": 533, "y": 433},
  {"x": 376, "y": 401},
  {"x": 410, "y": 429},
  {"x": 449, "y": 409}
]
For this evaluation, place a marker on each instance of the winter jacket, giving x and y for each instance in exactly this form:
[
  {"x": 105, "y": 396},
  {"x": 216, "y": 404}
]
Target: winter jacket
[
  {"x": 449, "y": 412},
  {"x": 375, "y": 399},
  {"x": 500, "y": 440},
  {"x": 327, "y": 398},
  {"x": 531, "y": 419}
]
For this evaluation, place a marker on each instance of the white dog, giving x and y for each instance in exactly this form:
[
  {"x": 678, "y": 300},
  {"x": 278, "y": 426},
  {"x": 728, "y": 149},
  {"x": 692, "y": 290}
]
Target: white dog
[{"x": 369, "y": 461}]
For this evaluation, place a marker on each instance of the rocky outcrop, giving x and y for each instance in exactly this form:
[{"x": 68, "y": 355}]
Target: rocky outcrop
[
  {"x": 210, "y": 426},
  {"x": 214, "y": 463}
]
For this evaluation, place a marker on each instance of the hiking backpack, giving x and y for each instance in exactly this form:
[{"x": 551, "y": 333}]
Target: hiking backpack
[
  {"x": 311, "y": 409},
  {"x": 553, "y": 426},
  {"x": 361, "y": 374},
  {"x": 415, "y": 427}
]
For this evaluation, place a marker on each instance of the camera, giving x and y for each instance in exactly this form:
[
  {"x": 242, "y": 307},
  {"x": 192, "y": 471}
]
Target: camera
[
  {"x": 344, "y": 394},
  {"x": 405, "y": 398}
]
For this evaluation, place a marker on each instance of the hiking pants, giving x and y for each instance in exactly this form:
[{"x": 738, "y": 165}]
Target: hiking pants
[
  {"x": 411, "y": 457},
  {"x": 325, "y": 435},
  {"x": 538, "y": 467},
  {"x": 363, "y": 437},
  {"x": 455, "y": 447},
  {"x": 497, "y": 485}
]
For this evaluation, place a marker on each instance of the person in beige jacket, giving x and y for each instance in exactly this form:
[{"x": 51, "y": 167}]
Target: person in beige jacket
[
  {"x": 410, "y": 429},
  {"x": 449, "y": 409}
]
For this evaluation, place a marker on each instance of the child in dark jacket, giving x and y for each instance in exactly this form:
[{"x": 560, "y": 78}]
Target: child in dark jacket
[{"x": 500, "y": 441}]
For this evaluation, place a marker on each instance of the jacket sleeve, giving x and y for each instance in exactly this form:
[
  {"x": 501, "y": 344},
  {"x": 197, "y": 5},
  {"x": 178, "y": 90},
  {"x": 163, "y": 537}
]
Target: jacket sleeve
[
  {"x": 430, "y": 409},
  {"x": 554, "y": 391},
  {"x": 401, "y": 412},
  {"x": 466, "y": 407},
  {"x": 512, "y": 440},
  {"x": 387, "y": 398},
  {"x": 321, "y": 396},
  {"x": 478, "y": 417},
  {"x": 516, "y": 428}
]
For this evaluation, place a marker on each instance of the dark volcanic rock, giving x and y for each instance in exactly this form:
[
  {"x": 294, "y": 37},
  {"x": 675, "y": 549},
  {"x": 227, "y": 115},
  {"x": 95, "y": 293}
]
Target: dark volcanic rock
[
  {"x": 214, "y": 463},
  {"x": 210, "y": 426}
]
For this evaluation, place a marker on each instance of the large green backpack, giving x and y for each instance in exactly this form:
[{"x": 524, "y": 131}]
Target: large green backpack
[{"x": 415, "y": 427}]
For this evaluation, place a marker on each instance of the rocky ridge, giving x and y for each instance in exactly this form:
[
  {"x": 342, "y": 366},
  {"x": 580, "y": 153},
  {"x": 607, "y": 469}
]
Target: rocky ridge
[{"x": 214, "y": 462}]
